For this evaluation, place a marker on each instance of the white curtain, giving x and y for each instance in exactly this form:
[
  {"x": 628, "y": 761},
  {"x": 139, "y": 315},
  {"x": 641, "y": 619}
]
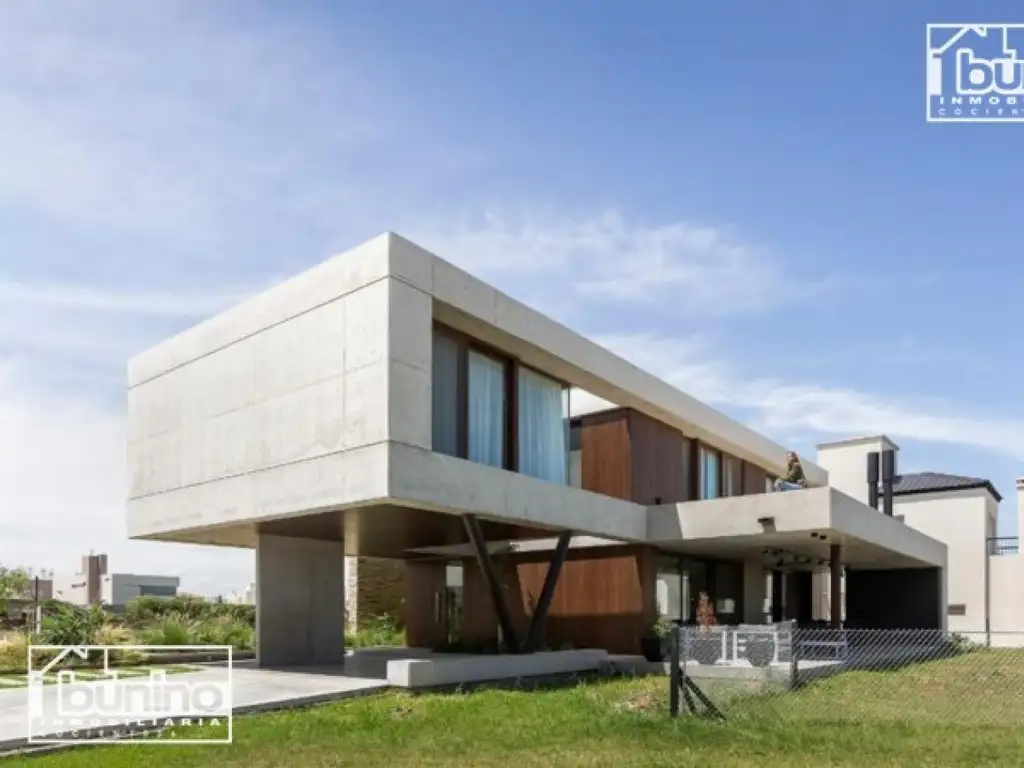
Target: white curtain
[
  {"x": 486, "y": 410},
  {"x": 543, "y": 428},
  {"x": 709, "y": 470},
  {"x": 445, "y": 395}
]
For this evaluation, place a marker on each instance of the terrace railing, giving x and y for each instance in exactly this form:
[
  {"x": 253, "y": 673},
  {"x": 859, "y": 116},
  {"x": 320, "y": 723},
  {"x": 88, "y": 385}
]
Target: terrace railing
[{"x": 1004, "y": 545}]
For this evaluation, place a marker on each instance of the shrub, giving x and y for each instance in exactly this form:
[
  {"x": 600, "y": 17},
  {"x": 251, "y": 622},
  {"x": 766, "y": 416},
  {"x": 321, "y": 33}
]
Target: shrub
[
  {"x": 145, "y": 611},
  {"x": 68, "y": 624},
  {"x": 111, "y": 634},
  {"x": 379, "y": 630},
  {"x": 13, "y": 652},
  {"x": 226, "y": 630}
]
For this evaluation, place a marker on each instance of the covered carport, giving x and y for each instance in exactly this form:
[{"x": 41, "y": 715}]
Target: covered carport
[{"x": 895, "y": 575}]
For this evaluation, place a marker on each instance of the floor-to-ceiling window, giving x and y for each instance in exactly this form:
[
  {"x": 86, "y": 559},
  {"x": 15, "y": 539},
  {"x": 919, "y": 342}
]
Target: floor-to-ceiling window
[
  {"x": 710, "y": 473},
  {"x": 543, "y": 438},
  {"x": 489, "y": 409}
]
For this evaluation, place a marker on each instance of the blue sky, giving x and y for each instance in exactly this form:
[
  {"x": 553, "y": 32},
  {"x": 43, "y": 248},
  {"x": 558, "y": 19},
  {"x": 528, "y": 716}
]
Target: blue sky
[{"x": 743, "y": 197}]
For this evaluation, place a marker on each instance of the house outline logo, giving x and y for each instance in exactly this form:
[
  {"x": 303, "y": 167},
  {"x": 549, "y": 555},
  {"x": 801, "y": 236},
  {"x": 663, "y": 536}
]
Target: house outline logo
[
  {"x": 114, "y": 708},
  {"x": 974, "y": 73}
]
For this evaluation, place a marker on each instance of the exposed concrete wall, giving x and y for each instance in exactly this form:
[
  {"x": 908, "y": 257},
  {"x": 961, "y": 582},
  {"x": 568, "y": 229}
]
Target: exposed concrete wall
[
  {"x": 278, "y": 406},
  {"x": 300, "y": 601},
  {"x": 846, "y": 463},
  {"x": 963, "y": 520}
]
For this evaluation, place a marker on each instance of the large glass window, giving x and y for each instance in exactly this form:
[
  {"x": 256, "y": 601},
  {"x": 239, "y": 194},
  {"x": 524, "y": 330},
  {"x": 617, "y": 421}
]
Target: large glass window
[
  {"x": 489, "y": 410},
  {"x": 709, "y": 474},
  {"x": 486, "y": 410},
  {"x": 543, "y": 427},
  {"x": 445, "y": 395}
]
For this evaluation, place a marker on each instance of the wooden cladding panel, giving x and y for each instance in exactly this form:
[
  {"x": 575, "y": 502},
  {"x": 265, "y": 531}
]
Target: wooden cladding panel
[
  {"x": 754, "y": 478},
  {"x": 605, "y": 454},
  {"x": 424, "y": 610},
  {"x": 605, "y": 598},
  {"x": 657, "y": 461}
]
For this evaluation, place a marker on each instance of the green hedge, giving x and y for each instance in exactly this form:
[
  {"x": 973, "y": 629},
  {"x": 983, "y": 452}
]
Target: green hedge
[{"x": 146, "y": 610}]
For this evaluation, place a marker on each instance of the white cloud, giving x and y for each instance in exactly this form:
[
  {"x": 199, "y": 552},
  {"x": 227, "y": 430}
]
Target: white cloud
[
  {"x": 168, "y": 120},
  {"x": 608, "y": 257},
  {"x": 125, "y": 301},
  {"x": 786, "y": 407}
]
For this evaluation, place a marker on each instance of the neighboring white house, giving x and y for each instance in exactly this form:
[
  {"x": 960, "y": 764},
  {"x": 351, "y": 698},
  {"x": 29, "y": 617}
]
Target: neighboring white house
[
  {"x": 92, "y": 584},
  {"x": 984, "y": 599}
]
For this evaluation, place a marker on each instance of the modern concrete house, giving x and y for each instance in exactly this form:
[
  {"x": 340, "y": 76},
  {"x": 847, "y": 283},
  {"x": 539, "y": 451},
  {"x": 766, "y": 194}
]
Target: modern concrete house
[{"x": 388, "y": 404}]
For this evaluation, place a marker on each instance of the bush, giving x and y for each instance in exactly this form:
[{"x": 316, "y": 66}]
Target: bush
[
  {"x": 379, "y": 630},
  {"x": 144, "y": 611},
  {"x": 13, "y": 652},
  {"x": 177, "y": 629},
  {"x": 68, "y": 624}
]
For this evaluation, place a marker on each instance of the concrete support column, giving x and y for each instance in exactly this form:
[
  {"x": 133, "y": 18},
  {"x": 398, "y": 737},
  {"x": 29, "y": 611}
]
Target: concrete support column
[
  {"x": 754, "y": 592},
  {"x": 836, "y": 586},
  {"x": 300, "y": 601}
]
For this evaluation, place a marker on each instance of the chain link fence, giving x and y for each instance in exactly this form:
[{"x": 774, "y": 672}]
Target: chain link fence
[{"x": 848, "y": 675}]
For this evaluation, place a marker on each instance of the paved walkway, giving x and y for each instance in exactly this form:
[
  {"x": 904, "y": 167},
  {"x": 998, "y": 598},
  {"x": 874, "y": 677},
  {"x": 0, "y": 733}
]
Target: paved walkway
[{"x": 253, "y": 690}]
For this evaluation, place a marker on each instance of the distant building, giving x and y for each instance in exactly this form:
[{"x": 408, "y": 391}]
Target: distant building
[
  {"x": 246, "y": 596},
  {"x": 93, "y": 585}
]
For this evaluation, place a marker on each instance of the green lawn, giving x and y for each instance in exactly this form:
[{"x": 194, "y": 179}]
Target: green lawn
[{"x": 951, "y": 712}]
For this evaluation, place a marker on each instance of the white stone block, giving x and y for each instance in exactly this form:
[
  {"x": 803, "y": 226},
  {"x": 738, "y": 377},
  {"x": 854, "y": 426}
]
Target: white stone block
[{"x": 454, "y": 670}]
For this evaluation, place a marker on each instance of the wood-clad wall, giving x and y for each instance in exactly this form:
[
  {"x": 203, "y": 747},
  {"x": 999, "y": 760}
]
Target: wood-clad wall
[
  {"x": 424, "y": 610},
  {"x": 657, "y": 461},
  {"x": 754, "y": 478},
  {"x": 605, "y": 454},
  {"x": 604, "y": 598},
  {"x": 629, "y": 455}
]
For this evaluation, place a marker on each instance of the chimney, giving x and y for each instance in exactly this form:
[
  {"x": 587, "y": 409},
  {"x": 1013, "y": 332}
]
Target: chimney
[
  {"x": 873, "y": 479},
  {"x": 1020, "y": 507},
  {"x": 888, "y": 478}
]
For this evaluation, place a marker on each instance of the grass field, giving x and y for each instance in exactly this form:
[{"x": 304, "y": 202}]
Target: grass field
[{"x": 945, "y": 713}]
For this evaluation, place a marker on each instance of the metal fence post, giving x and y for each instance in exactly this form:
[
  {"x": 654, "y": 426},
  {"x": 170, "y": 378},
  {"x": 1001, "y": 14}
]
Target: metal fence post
[
  {"x": 674, "y": 673},
  {"x": 794, "y": 658}
]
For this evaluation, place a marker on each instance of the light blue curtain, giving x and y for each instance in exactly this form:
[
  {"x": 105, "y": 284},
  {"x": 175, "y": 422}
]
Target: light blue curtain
[
  {"x": 445, "y": 395},
  {"x": 710, "y": 474},
  {"x": 543, "y": 427},
  {"x": 486, "y": 410}
]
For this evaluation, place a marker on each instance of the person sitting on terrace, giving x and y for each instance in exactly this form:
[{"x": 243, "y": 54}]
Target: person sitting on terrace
[{"x": 794, "y": 479}]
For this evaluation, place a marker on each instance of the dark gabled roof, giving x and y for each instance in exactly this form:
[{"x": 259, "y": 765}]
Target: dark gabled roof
[{"x": 932, "y": 482}]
